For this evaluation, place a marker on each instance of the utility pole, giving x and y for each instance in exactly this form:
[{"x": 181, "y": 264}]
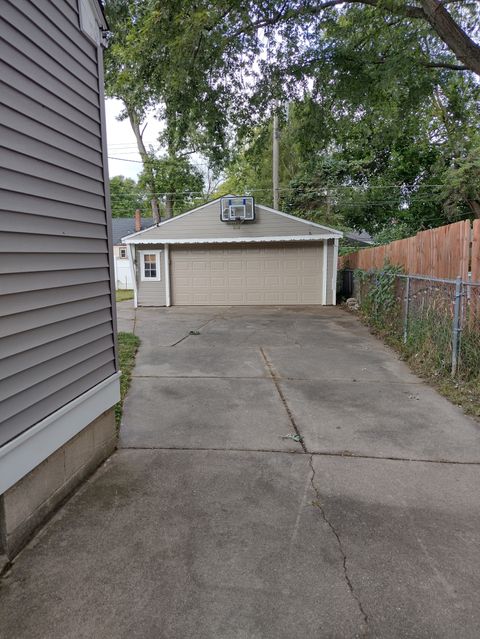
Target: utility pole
[{"x": 275, "y": 162}]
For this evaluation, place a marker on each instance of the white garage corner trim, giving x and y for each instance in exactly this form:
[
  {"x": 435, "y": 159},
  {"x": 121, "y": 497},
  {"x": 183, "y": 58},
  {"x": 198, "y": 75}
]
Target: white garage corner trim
[
  {"x": 131, "y": 259},
  {"x": 325, "y": 269},
  {"x": 167, "y": 276},
  {"x": 335, "y": 272},
  {"x": 24, "y": 453}
]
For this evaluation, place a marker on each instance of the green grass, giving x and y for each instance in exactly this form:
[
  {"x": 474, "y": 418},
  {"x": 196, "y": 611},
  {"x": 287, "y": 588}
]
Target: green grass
[
  {"x": 128, "y": 344},
  {"x": 123, "y": 294}
]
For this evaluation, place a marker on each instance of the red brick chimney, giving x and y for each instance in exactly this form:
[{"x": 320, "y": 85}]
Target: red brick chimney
[{"x": 138, "y": 220}]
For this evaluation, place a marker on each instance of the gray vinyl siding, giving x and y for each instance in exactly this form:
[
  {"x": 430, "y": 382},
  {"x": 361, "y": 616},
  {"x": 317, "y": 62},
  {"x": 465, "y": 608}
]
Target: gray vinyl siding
[
  {"x": 151, "y": 293},
  {"x": 56, "y": 319},
  {"x": 205, "y": 223}
]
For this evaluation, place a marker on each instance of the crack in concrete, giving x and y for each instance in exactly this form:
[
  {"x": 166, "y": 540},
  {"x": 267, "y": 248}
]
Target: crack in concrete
[
  {"x": 197, "y": 329},
  {"x": 348, "y": 581},
  {"x": 275, "y": 380}
]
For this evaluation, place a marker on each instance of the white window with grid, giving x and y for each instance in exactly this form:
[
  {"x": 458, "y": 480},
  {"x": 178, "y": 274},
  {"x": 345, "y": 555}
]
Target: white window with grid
[{"x": 150, "y": 266}]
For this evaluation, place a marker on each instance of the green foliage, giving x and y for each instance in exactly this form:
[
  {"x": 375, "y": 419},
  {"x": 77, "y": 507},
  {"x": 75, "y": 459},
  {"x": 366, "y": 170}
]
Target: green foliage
[
  {"x": 128, "y": 344},
  {"x": 378, "y": 117},
  {"x": 123, "y": 79},
  {"x": 394, "y": 231},
  {"x": 379, "y": 300},
  {"x": 126, "y": 196},
  {"x": 175, "y": 176},
  {"x": 461, "y": 190}
]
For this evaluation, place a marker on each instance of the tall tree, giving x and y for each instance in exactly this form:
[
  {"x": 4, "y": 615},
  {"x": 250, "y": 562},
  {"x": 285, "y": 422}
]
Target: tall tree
[
  {"x": 126, "y": 196},
  {"x": 153, "y": 62},
  {"x": 123, "y": 80}
]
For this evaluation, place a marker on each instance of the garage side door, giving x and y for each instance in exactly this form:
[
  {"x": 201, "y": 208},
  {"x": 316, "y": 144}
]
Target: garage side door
[{"x": 247, "y": 275}]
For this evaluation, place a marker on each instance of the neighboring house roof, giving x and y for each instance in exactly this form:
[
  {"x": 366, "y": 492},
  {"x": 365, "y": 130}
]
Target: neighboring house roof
[
  {"x": 362, "y": 238},
  {"x": 203, "y": 225},
  {"x": 122, "y": 226}
]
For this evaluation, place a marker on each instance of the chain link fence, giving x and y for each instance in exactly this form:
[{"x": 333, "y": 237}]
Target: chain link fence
[{"x": 436, "y": 321}]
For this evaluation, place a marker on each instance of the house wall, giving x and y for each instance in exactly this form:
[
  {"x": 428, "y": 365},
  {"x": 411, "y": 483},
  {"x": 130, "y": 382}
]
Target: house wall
[
  {"x": 123, "y": 274},
  {"x": 150, "y": 293},
  {"x": 57, "y": 320},
  {"x": 205, "y": 223}
]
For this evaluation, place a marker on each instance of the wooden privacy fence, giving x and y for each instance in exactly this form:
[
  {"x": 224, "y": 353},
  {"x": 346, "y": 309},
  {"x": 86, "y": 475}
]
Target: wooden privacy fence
[
  {"x": 476, "y": 252},
  {"x": 446, "y": 252}
]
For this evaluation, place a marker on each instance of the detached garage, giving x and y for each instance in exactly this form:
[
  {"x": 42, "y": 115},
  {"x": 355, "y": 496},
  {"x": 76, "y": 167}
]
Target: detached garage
[{"x": 234, "y": 252}]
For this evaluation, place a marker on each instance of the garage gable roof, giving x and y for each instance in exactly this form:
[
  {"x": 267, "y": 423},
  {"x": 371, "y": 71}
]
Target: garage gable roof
[{"x": 203, "y": 224}]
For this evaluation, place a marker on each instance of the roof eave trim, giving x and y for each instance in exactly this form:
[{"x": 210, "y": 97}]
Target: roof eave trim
[{"x": 235, "y": 240}]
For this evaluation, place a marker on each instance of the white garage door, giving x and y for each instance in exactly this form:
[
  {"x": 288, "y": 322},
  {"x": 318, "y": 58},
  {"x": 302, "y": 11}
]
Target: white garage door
[{"x": 247, "y": 274}]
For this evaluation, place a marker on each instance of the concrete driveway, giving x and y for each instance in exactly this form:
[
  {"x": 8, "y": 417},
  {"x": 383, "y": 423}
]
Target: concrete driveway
[{"x": 212, "y": 522}]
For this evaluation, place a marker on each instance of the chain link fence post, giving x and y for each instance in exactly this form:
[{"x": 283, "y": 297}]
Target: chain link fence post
[
  {"x": 456, "y": 327},
  {"x": 406, "y": 308}
]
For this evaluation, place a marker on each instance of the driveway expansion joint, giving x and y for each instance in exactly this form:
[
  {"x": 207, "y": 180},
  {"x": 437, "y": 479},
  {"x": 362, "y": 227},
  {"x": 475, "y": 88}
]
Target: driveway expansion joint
[
  {"x": 348, "y": 581},
  {"x": 275, "y": 380},
  {"x": 342, "y": 455},
  {"x": 209, "y": 449}
]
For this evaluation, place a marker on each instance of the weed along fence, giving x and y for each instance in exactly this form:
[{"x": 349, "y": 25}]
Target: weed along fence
[{"x": 423, "y": 294}]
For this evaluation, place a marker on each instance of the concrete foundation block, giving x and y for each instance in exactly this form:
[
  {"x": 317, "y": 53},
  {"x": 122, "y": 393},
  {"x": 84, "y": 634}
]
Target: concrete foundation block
[
  {"x": 79, "y": 450},
  {"x": 104, "y": 429},
  {"x": 32, "y": 500}
]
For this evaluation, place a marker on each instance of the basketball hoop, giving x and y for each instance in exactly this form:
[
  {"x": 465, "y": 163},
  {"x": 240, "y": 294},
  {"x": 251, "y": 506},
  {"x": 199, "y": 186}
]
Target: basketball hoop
[{"x": 237, "y": 210}]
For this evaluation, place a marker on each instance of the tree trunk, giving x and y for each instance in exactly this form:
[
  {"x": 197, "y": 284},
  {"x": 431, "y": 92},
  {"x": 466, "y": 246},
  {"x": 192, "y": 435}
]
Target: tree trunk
[
  {"x": 475, "y": 208},
  {"x": 169, "y": 205},
  {"x": 466, "y": 50},
  {"x": 146, "y": 165}
]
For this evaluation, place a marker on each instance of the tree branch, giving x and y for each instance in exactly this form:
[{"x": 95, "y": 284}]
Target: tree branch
[
  {"x": 432, "y": 11},
  {"x": 409, "y": 11},
  {"x": 445, "y": 65},
  {"x": 465, "y": 49}
]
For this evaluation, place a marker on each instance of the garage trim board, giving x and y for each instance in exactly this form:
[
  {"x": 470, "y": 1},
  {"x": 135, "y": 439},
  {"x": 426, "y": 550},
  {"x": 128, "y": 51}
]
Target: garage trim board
[{"x": 275, "y": 259}]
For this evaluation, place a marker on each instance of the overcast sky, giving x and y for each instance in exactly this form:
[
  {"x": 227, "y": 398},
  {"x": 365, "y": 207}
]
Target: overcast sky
[{"x": 121, "y": 141}]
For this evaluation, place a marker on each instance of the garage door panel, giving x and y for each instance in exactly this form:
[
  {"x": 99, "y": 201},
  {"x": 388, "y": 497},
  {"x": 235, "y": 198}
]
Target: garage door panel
[
  {"x": 272, "y": 282},
  {"x": 235, "y": 297},
  {"x": 235, "y": 283},
  {"x": 243, "y": 275},
  {"x": 219, "y": 282}
]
